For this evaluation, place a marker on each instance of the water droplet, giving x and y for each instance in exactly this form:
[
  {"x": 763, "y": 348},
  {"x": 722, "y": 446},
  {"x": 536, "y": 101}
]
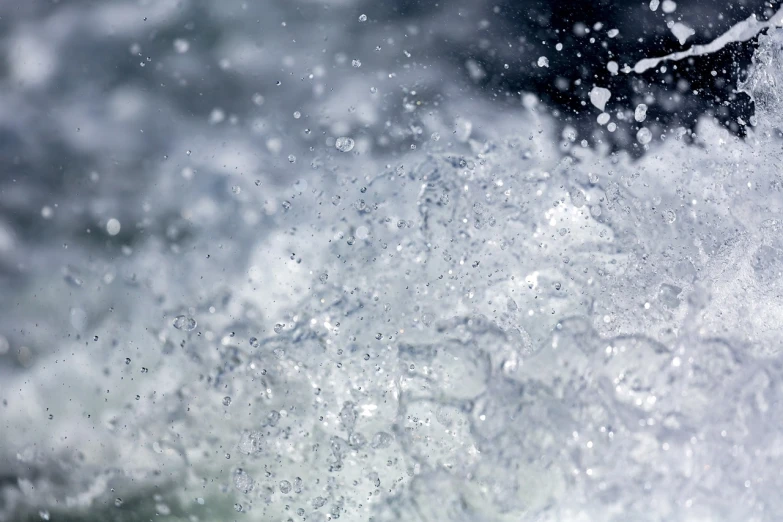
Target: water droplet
[
  {"x": 113, "y": 227},
  {"x": 181, "y": 45},
  {"x": 381, "y": 440},
  {"x": 640, "y": 113},
  {"x": 344, "y": 144},
  {"x": 184, "y": 322},
  {"x": 644, "y": 136}
]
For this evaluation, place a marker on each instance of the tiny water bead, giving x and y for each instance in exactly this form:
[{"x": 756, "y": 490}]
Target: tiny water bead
[
  {"x": 344, "y": 144},
  {"x": 184, "y": 322}
]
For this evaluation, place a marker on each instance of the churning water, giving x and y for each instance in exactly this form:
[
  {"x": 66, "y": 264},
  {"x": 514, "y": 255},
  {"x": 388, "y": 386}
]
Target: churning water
[{"x": 275, "y": 263}]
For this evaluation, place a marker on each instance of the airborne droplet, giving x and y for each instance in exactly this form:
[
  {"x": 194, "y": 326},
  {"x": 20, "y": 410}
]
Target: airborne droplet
[
  {"x": 344, "y": 144},
  {"x": 184, "y": 322}
]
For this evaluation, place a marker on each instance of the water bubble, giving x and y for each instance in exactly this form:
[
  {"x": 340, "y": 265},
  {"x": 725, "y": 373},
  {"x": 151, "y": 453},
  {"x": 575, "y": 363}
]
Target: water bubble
[
  {"x": 184, "y": 322},
  {"x": 344, "y": 144},
  {"x": 363, "y": 18}
]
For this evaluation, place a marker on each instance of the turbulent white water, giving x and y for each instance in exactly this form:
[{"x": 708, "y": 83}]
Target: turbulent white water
[{"x": 494, "y": 325}]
